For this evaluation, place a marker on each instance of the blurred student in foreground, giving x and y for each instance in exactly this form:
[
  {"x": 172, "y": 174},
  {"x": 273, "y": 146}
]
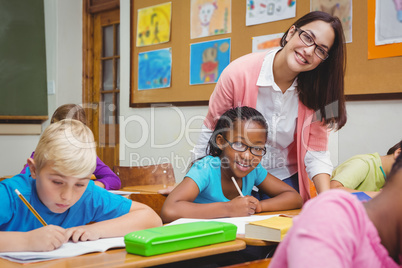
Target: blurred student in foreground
[{"x": 337, "y": 230}]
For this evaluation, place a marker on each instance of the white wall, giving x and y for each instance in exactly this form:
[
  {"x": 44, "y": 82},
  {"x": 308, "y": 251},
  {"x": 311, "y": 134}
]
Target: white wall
[{"x": 373, "y": 126}]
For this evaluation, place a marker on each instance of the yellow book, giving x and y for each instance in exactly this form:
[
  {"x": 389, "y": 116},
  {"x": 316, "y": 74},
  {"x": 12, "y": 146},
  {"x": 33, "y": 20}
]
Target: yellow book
[{"x": 272, "y": 229}]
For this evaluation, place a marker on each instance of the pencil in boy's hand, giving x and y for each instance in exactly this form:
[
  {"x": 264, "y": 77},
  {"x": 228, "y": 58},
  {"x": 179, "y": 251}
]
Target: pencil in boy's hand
[
  {"x": 31, "y": 208},
  {"x": 237, "y": 187}
]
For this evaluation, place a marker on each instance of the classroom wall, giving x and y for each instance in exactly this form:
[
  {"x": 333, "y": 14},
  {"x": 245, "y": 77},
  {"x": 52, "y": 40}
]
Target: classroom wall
[
  {"x": 372, "y": 125},
  {"x": 63, "y": 28}
]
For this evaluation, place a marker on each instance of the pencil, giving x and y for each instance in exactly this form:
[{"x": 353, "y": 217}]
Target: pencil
[
  {"x": 237, "y": 187},
  {"x": 31, "y": 208}
]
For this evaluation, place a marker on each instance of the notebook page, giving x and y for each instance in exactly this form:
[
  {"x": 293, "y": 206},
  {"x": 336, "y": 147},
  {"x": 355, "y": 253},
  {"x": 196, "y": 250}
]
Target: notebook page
[
  {"x": 240, "y": 222},
  {"x": 69, "y": 249}
]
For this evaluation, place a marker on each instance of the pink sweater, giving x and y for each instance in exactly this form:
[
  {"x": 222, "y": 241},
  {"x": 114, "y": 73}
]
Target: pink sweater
[
  {"x": 237, "y": 86},
  {"x": 333, "y": 230}
]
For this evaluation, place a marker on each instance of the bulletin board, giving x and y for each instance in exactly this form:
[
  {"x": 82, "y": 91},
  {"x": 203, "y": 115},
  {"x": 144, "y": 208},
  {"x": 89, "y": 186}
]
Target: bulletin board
[
  {"x": 372, "y": 79},
  {"x": 22, "y": 61}
]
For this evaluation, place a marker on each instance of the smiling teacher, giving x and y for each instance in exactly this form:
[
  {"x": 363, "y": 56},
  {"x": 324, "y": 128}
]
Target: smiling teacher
[{"x": 299, "y": 88}]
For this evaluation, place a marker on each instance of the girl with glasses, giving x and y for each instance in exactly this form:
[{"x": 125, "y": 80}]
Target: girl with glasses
[
  {"x": 236, "y": 148},
  {"x": 299, "y": 89}
]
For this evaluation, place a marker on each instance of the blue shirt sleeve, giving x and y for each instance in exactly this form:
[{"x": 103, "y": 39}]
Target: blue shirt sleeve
[
  {"x": 107, "y": 205},
  {"x": 5, "y": 205},
  {"x": 261, "y": 174},
  {"x": 204, "y": 170}
]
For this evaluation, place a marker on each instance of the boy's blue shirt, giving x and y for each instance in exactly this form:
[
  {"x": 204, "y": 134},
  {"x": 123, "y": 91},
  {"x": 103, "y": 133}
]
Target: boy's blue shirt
[
  {"x": 206, "y": 173},
  {"x": 96, "y": 204}
]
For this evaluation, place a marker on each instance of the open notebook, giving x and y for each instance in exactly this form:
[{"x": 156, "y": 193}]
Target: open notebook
[
  {"x": 69, "y": 249},
  {"x": 240, "y": 222}
]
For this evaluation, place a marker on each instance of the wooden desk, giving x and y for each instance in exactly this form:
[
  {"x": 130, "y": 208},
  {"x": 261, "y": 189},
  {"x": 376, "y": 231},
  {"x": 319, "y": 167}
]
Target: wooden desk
[
  {"x": 154, "y": 188},
  {"x": 6, "y": 177},
  {"x": 120, "y": 258},
  {"x": 259, "y": 242},
  {"x": 148, "y": 195}
]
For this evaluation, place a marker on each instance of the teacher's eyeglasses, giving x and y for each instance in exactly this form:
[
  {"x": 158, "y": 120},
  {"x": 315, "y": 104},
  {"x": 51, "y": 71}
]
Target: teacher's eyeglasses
[
  {"x": 241, "y": 147},
  {"x": 309, "y": 41}
]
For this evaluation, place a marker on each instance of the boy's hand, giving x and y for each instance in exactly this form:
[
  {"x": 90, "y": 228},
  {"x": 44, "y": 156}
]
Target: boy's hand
[
  {"x": 82, "y": 233},
  {"x": 243, "y": 206},
  {"x": 46, "y": 238}
]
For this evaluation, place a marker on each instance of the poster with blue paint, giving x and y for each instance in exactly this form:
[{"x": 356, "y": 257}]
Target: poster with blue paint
[
  {"x": 207, "y": 60},
  {"x": 154, "y": 69}
]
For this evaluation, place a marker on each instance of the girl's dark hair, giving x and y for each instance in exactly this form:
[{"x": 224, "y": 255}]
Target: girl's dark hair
[
  {"x": 226, "y": 122},
  {"x": 394, "y": 148},
  {"x": 397, "y": 165},
  {"x": 69, "y": 111},
  {"x": 322, "y": 89}
]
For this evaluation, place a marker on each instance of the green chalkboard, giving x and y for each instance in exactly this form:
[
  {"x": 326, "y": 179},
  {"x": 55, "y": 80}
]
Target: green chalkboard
[{"x": 23, "y": 86}]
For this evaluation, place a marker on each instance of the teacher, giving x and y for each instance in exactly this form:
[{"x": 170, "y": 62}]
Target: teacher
[{"x": 299, "y": 88}]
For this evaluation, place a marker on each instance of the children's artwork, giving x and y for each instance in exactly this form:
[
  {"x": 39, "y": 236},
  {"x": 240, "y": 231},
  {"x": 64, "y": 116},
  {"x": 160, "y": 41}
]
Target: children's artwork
[
  {"x": 263, "y": 11},
  {"x": 154, "y": 69},
  {"x": 264, "y": 42},
  {"x": 386, "y": 50},
  {"x": 207, "y": 60},
  {"x": 339, "y": 8},
  {"x": 388, "y": 22},
  {"x": 153, "y": 24},
  {"x": 210, "y": 17}
]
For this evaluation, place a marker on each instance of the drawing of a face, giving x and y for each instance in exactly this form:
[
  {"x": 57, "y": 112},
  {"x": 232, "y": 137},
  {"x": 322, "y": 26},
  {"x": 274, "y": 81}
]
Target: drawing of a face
[
  {"x": 209, "y": 54},
  {"x": 205, "y": 13}
]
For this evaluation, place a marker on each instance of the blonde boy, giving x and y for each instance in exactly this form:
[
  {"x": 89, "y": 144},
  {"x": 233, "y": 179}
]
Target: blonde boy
[{"x": 58, "y": 186}]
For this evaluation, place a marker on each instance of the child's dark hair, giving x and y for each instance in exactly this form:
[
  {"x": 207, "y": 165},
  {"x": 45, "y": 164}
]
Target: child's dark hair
[
  {"x": 69, "y": 111},
  {"x": 397, "y": 165},
  {"x": 226, "y": 122},
  {"x": 394, "y": 148}
]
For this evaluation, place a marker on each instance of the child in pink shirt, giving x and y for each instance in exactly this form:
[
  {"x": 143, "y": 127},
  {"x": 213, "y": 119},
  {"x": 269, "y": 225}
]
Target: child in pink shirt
[{"x": 335, "y": 229}]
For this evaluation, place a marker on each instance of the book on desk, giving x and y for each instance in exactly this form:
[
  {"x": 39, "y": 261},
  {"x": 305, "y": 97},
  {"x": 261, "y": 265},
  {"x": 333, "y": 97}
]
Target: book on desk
[{"x": 272, "y": 229}]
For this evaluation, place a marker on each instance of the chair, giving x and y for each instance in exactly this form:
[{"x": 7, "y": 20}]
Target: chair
[{"x": 145, "y": 175}]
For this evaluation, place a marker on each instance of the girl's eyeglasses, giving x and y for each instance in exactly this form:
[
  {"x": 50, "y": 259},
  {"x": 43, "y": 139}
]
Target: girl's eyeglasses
[
  {"x": 309, "y": 41},
  {"x": 241, "y": 147}
]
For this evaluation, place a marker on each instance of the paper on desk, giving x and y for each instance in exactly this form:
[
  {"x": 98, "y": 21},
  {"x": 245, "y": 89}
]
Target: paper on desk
[
  {"x": 240, "y": 222},
  {"x": 69, "y": 249},
  {"x": 119, "y": 192}
]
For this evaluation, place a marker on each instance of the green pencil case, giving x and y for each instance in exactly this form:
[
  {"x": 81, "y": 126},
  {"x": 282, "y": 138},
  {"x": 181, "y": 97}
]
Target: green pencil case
[{"x": 171, "y": 238}]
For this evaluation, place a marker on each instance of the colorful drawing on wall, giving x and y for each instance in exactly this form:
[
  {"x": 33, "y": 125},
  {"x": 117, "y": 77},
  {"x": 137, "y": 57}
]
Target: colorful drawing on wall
[
  {"x": 388, "y": 22},
  {"x": 210, "y": 17},
  {"x": 263, "y": 11},
  {"x": 386, "y": 50},
  {"x": 154, "y": 69},
  {"x": 339, "y": 8},
  {"x": 153, "y": 24},
  {"x": 264, "y": 42},
  {"x": 207, "y": 60}
]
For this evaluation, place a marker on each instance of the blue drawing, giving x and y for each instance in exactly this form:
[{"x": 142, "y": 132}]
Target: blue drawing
[{"x": 154, "y": 69}]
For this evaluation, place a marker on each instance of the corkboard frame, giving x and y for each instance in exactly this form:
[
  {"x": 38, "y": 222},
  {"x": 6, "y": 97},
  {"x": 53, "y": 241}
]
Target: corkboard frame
[{"x": 364, "y": 80}]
